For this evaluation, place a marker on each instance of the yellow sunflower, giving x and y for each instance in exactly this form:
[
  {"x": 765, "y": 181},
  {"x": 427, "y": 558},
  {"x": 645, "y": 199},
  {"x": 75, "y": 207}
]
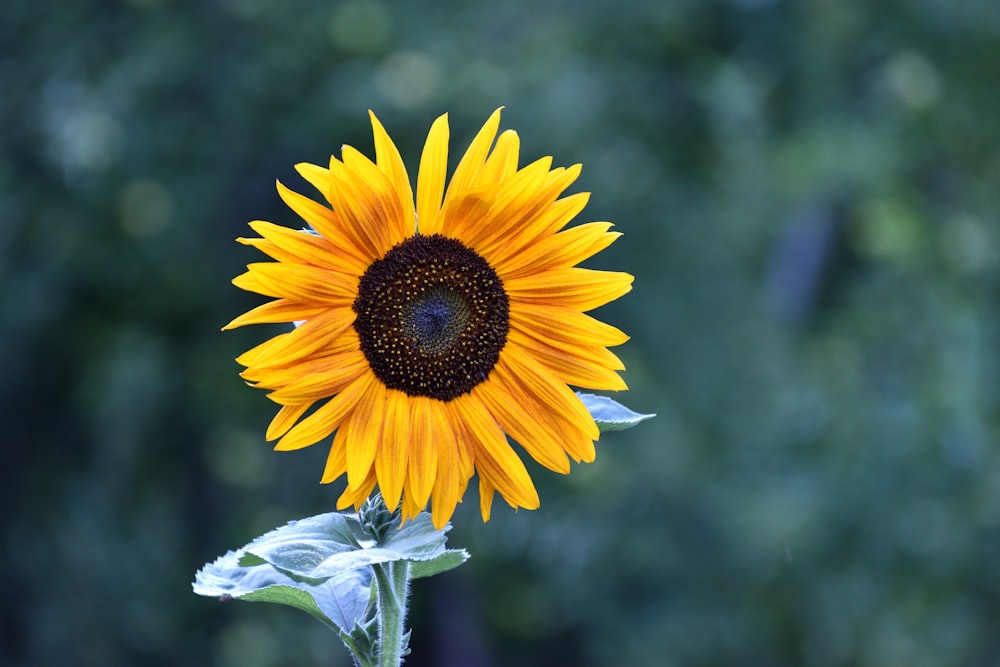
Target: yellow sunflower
[{"x": 427, "y": 334}]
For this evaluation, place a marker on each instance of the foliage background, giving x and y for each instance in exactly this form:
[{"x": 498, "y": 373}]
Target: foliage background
[{"x": 809, "y": 195}]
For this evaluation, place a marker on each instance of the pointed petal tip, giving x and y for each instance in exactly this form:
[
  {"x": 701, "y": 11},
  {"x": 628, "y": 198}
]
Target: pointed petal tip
[
  {"x": 533, "y": 502},
  {"x": 304, "y": 167},
  {"x": 258, "y": 224},
  {"x": 378, "y": 130},
  {"x": 391, "y": 503},
  {"x": 233, "y": 324},
  {"x": 494, "y": 118}
]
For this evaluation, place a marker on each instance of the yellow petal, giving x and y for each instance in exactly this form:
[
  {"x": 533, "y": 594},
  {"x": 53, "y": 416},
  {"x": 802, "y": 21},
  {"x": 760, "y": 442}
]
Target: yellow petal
[
  {"x": 494, "y": 457},
  {"x": 299, "y": 282},
  {"x": 502, "y": 162},
  {"x": 485, "y": 498},
  {"x": 316, "y": 333},
  {"x": 302, "y": 247},
  {"x": 287, "y": 415},
  {"x": 299, "y": 255},
  {"x": 461, "y": 210},
  {"x": 529, "y": 222},
  {"x": 423, "y": 449},
  {"x": 521, "y": 426},
  {"x": 315, "y": 214},
  {"x": 336, "y": 459},
  {"x": 431, "y": 177},
  {"x": 510, "y": 205},
  {"x": 391, "y": 164},
  {"x": 555, "y": 395},
  {"x": 275, "y": 312},
  {"x": 319, "y": 379},
  {"x": 588, "y": 353},
  {"x": 447, "y": 485},
  {"x": 316, "y": 343},
  {"x": 582, "y": 289},
  {"x": 356, "y": 495},
  {"x": 538, "y": 421},
  {"x": 328, "y": 417},
  {"x": 561, "y": 250},
  {"x": 326, "y": 222},
  {"x": 551, "y": 403},
  {"x": 341, "y": 351},
  {"x": 463, "y": 443},
  {"x": 392, "y": 456},
  {"x": 545, "y": 218},
  {"x": 366, "y": 203},
  {"x": 410, "y": 507},
  {"x": 581, "y": 367},
  {"x": 564, "y": 325},
  {"x": 365, "y": 433},
  {"x": 316, "y": 176},
  {"x": 469, "y": 167}
]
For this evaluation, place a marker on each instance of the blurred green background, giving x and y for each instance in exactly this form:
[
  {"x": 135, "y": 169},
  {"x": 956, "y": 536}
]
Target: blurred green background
[{"x": 809, "y": 192}]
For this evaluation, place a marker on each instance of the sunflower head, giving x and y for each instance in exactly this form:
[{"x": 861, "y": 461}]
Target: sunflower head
[{"x": 433, "y": 331}]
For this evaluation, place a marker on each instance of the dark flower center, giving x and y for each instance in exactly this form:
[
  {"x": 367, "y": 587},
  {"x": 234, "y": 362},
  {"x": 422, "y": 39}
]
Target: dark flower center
[{"x": 432, "y": 317}]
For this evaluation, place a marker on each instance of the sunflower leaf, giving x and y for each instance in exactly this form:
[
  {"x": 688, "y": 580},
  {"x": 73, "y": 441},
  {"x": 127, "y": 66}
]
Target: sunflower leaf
[
  {"x": 322, "y": 565},
  {"x": 418, "y": 539},
  {"x": 300, "y": 552},
  {"x": 448, "y": 560},
  {"x": 297, "y": 548},
  {"x": 609, "y": 414},
  {"x": 339, "y": 602}
]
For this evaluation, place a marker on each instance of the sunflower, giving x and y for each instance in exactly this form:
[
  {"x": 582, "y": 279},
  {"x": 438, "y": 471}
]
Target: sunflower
[{"x": 426, "y": 335}]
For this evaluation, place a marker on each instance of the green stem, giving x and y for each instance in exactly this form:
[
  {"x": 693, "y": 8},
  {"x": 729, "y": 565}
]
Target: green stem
[{"x": 393, "y": 580}]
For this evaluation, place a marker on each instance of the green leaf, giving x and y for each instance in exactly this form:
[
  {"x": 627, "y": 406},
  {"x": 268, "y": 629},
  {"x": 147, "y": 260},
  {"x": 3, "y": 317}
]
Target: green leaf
[
  {"x": 418, "y": 539},
  {"x": 300, "y": 551},
  {"x": 611, "y": 415},
  {"x": 301, "y": 548},
  {"x": 339, "y": 602},
  {"x": 450, "y": 559},
  {"x": 322, "y": 565}
]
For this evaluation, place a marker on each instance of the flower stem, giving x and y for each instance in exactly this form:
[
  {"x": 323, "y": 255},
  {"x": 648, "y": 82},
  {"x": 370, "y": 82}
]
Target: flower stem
[{"x": 392, "y": 580}]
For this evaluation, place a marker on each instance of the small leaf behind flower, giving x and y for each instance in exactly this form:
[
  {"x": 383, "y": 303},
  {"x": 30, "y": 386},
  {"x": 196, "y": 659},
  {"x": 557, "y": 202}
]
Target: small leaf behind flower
[{"x": 609, "y": 414}]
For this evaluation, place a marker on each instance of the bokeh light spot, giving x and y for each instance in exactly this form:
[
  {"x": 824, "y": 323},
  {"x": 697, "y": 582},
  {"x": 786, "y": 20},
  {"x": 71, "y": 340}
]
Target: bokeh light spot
[
  {"x": 144, "y": 208},
  {"x": 361, "y": 27},
  {"x": 408, "y": 79}
]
